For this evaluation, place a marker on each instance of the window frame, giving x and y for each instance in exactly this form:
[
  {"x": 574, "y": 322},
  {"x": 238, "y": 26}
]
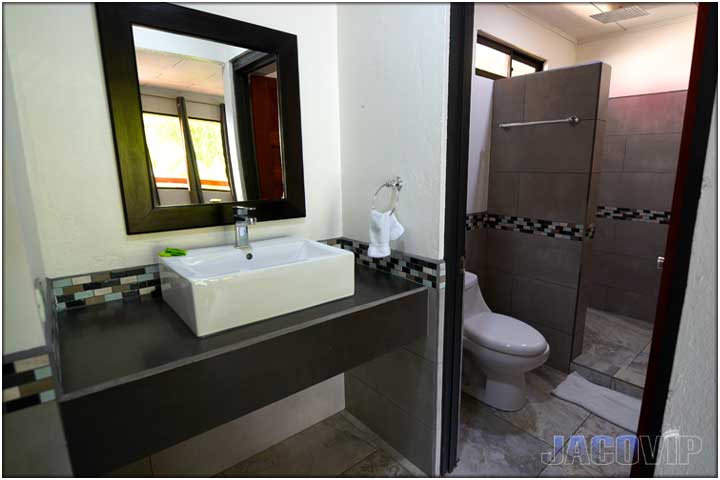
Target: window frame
[
  {"x": 223, "y": 133},
  {"x": 149, "y": 158},
  {"x": 192, "y": 158},
  {"x": 514, "y": 54}
]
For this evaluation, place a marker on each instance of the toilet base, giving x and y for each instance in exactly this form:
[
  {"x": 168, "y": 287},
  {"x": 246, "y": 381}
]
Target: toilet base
[
  {"x": 503, "y": 385},
  {"x": 506, "y": 393}
]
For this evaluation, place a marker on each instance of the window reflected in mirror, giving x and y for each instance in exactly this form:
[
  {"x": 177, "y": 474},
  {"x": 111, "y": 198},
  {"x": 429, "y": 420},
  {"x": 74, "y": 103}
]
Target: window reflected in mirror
[{"x": 211, "y": 119}]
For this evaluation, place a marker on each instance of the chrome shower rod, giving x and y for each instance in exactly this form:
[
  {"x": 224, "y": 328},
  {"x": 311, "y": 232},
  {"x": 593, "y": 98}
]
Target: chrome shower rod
[{"x": 571, "y": 120}]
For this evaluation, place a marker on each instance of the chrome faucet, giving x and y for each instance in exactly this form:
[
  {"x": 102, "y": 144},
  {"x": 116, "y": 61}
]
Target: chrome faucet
[{"x": 242, "y": 222}]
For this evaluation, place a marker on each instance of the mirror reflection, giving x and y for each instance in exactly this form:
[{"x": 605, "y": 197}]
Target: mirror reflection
[{"x": 211, "y": 119}]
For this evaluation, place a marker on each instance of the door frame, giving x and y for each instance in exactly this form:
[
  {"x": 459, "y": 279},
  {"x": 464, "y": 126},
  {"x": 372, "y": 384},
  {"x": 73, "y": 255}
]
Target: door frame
[
  {"x": 678, "y": 249},
  {"x": 695, "y": 134},
  {"x": 458, "y": 137}
]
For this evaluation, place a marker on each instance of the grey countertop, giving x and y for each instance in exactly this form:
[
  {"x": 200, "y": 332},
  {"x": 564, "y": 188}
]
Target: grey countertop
[{"x": 117, "y": 342}]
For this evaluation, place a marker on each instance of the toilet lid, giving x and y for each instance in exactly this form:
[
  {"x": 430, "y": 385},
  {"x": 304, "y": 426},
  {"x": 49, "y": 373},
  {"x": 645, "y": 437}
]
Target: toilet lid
[{"x": 504, "y": 334}]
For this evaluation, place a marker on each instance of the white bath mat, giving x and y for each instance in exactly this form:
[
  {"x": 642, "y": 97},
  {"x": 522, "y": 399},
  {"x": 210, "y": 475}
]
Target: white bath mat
[{"x": 615, "y": 407}]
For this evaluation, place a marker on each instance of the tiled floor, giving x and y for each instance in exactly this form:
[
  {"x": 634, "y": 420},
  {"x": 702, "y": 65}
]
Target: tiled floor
[
  {"x": 615, "y": 351},
  {"x": 335, "y": 447},
  {"x": 502, "y": 444}
]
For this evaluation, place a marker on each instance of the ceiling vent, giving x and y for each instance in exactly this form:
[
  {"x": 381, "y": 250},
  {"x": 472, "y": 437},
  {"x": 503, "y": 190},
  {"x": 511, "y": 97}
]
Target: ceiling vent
[{"x": 620, "y": 14}]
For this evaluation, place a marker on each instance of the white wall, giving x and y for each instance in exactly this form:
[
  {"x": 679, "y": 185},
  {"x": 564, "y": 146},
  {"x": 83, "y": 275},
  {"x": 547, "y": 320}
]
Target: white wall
[
  {"x": 55, "y": 61},
  {"x": 645, "y": 61},
  {"x": 22, "y": 260},
  {"x": 691, "y": 407},
  {"x": 393, "y": 61},
  {"x": 512, "y": 27}
]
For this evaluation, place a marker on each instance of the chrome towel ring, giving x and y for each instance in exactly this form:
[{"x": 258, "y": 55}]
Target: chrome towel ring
[{"x": 395, "y": 183}]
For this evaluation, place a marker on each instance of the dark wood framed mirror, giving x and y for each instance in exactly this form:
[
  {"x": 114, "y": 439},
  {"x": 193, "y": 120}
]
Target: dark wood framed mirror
[{"x": 205, "y": 113}]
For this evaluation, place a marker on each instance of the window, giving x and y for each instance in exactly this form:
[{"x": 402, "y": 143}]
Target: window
[
  {"x": 187, "y": 153},
  {"x": 167, "y": 150},
  {"x": 495, "y": 60},
  {"x": 209, "y": 153}
]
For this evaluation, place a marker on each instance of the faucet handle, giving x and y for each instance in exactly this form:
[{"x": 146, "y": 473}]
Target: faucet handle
[{"x": 241, "y": 211}]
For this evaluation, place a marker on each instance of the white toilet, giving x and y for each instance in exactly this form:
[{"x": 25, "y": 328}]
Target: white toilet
[{"x": 498, "y": 351}]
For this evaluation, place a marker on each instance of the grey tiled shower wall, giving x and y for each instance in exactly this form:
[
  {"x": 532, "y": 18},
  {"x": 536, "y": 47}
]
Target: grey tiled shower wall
[
  {"x": 636, "y": 171},
  {"x": 541, "y": 172}
]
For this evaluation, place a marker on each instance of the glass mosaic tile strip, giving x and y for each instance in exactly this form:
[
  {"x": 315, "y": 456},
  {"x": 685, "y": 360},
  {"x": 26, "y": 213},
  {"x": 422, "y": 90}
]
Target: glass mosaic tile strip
[
  {"x": 430, "y": 273},
  {"x": 27, "y": 382},
  {"x": 100, "y": 287},
  {"x": 633, "y": 214}
]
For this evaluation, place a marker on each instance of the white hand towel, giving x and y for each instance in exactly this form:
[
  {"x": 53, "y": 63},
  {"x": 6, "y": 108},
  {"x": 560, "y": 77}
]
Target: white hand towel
[
  {"x": 383, "y": 228},
  {"x": 396, "y": 230}
]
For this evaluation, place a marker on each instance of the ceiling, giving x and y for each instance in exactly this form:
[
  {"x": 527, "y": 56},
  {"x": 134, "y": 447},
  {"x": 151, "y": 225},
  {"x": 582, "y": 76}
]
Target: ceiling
[
  {"x": 179, "y": 72},
  {"x": 573, "y": 21}
]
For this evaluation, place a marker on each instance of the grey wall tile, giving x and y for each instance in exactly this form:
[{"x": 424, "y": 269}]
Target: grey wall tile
[
  {"x": 598, "y": 152},
  {"x": 508, "y": 100},
  {"x": 475, "y": 250},
  {"x": 604, "y": 91},
  {"x": 411, "y": 438},
  {"x": 614, "y": 154},
  {"x": 34, "y": 443},
  {"x": 610, "y": 191},
  {"x": 543, "y": 148},
  {"x": 503, "y": 193},
  {"x": 647, "y": 190},
  {"x": 550, "y": 259},
  {"x": 405, "y": 378},
  {"x": 604, "y": 240},
  {"x": 502, "y": 250},
  {"x": 625, "y": 272},
  {"x": 636, "y": 190},
  {"x": 563, "y": 92},
  {"x": 428, "y": 346},
  {"x": 534, "y": 256},
  {"x": 632, "y": 304},
  {"x": 215, "y": 450},
  {"x": 652, "y": 153},
  {"x": 655, "y": 113},
  {"x": 558, "y": 197},
  {"x": 639, "y": 239},
  {"x": 545, "y": 303},
  {"x": 593, "y": 198},
  {"x": 498, "y": 291}
]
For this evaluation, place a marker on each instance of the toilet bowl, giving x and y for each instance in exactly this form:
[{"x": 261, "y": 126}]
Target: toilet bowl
[{"x": 499, "y": 350}]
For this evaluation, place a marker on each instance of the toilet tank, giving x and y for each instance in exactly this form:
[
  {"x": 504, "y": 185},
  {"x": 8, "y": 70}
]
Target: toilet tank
[{"x": 473, "y": 301}]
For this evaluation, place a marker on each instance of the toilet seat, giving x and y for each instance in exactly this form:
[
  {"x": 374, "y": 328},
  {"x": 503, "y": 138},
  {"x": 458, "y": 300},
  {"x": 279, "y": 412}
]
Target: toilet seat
[{"x": 504, "y": 334}]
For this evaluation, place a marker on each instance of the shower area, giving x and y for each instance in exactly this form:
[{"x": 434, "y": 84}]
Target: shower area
[{"x": 579, "y": 189}]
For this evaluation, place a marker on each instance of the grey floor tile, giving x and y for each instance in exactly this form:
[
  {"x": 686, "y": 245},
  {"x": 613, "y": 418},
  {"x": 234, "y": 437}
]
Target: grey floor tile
[
  {"x": 378, "y": 464},
  {"x": 490, "y": 446},
  {"x": 545, "y": 416},
  {"x": 612, "y": 342},
  {"x": 635, "y": 373},
  {"x": 579, "y": 467},
  {"x": 322, "y": 450},
  {"x": 570, "y": 470}
]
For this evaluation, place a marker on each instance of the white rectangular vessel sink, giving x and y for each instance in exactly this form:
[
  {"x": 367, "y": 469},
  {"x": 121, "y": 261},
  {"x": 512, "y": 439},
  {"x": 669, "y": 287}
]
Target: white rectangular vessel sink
[{"x": 214, "y": 289}]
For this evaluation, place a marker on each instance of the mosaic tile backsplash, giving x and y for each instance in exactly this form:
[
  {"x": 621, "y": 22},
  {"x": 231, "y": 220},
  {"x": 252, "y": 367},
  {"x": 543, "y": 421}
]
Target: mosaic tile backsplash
[
  {"x": 27, "y": 382},
  {"x": 430, "y": 273},
  {"x": 634, "y": 214},
  {"x": 564, "y": 230},
  {"x": 94, "y": 288},
  {"x": 535, "y": 226}
]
